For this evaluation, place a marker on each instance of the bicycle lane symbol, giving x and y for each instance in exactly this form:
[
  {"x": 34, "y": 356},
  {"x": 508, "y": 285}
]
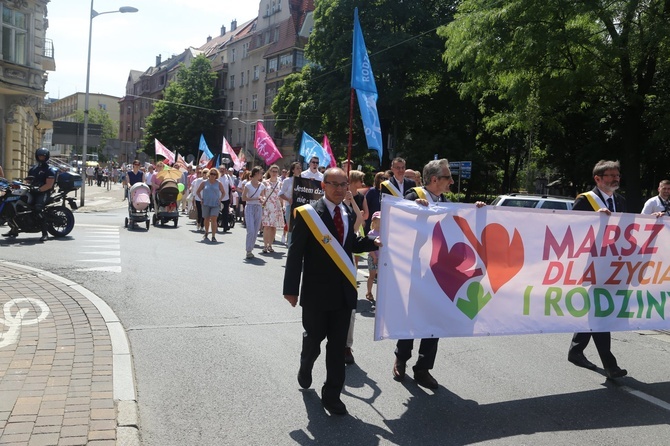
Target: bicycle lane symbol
[{"x": 15, "y": 321}]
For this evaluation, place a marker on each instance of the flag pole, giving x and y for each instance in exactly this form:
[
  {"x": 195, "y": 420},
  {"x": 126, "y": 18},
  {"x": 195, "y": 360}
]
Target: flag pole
[{"x": 351, "y": 130}]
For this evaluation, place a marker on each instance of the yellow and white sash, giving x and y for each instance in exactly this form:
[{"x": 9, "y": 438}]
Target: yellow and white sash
[
  {"x": 595, "y": 201},
  {"x": 391, "y": 188},
  {"x": 329, "y": 242},
  {"x": 421, "y": 192}
]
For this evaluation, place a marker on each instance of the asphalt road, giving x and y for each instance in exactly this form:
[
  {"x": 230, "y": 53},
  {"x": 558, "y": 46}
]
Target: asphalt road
[{"x": 216, "y": 349}]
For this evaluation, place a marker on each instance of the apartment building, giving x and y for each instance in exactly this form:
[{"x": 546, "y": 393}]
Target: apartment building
[
  {"x": 143, "y": 89},
  {"x": 25, "y": 57},
  {"x": 251, "y": 62}
]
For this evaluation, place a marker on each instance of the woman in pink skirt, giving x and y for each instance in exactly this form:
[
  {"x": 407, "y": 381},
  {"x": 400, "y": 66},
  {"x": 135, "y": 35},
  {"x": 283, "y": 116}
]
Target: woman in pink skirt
[{"x": 273, "y": 215}]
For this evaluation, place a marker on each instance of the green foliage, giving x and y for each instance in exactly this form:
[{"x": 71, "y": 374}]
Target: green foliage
[
  {"x": 582, "y": 77},
  {"x": 186, "y": 110},
  {"x": 101, "y": 117},
  {"x": 420, "y": 112}
]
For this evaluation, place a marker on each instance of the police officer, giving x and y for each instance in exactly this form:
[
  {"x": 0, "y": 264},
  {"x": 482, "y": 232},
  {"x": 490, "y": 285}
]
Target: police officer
[{"x": 43, "y": 179}]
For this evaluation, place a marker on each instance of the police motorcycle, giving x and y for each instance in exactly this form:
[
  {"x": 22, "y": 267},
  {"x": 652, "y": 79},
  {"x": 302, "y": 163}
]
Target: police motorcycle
[{"x": 18, "y": 211}]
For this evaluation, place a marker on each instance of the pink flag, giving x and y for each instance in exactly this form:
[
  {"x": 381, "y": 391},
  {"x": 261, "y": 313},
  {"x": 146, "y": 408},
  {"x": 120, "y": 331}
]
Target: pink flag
[
  {"x": 326, "y": 146},
  {"x": 237, "y": 164},
  {"x": 264, "y": 145},
  {"x": 180, "y": 163},
  {"x": 204, "y": 159},
  {"x": 163, "y": 151}
]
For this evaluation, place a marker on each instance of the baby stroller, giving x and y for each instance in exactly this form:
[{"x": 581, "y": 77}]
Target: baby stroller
[
  {"x": 231, "y": 218},
  {"x": 166, "y": 203},
  {"x": 138, "y": 204}
]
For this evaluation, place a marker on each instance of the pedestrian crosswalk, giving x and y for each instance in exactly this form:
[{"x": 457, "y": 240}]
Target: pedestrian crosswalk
[{"x": 101, "y": 249}]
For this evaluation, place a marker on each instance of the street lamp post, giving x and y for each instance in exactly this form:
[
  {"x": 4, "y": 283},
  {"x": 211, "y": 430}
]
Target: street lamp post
[
  {"x": 246, "y": 136},
  {"x": 93, "y": 14}
]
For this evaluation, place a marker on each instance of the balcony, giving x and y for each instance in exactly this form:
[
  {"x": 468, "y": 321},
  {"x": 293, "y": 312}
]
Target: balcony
[{"x": 48, "y": 61}]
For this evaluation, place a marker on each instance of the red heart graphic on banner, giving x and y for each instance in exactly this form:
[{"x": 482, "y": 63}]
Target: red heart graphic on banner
[
  {"x": 452, "y": 267},
  {"x": 503, "y": 259}
]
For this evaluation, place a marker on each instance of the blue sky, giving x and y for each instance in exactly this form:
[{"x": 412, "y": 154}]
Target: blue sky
[{"x": 122, "y": 42}]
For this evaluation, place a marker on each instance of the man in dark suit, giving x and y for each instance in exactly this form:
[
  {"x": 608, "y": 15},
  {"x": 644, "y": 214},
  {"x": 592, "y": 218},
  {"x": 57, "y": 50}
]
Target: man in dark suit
[
  {"x": 397, "y": 185},
  {"x": 437, "y": 179},
  {"x": 602, "y": 198},
  {"x": 321, "y": 248}
]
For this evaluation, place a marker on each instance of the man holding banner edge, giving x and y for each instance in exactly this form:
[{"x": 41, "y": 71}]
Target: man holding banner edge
[{"x": 602, "y": 198}]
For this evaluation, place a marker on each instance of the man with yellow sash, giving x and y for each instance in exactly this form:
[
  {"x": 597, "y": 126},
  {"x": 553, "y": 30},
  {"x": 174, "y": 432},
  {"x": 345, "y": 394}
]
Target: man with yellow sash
[
  {"x": 320, "y": 251},
  {"x": 437, "y": 179},
  {"x": 602, "y": 198},
  {"x": 397, "y": 185}
]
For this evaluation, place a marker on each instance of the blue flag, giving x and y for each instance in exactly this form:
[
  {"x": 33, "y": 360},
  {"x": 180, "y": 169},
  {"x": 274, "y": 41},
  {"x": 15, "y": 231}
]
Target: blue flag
[
  {"x": 203, "y": 147},
  {"x": 309, "y": 148},
  {"x": 363, "y": 81}
]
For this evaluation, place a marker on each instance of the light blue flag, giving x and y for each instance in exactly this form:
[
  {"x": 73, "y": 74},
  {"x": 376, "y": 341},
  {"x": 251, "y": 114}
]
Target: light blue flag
[
  {"x": 363, "y": 81},
  {"x": 203, "y": 147},
  {"x": 309, "y": 147}
]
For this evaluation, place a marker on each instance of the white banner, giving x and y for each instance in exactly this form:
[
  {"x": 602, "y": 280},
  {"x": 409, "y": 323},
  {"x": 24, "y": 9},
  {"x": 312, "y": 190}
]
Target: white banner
[{"x": 455, "y": 270}]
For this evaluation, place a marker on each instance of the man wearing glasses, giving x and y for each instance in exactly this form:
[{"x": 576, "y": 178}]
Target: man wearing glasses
[
  {"x": 313, "y": 171},
  {"x": 397, "y": 185},
  {"x": 602, "y": 198},
  {"x": 322, "y": 243},
  {"x": 437, "y": 180}
]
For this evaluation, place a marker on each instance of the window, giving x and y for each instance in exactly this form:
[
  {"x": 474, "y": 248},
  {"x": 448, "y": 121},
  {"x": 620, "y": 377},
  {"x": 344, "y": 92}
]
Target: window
[
  {"x": 300, "y": 60},
  {"x": 245, "y": 50},
  {"x": 102, "y": 106},
  {"x": 275, "y": 36},
  {"x": 285, "y": 60},
  {"x": 231, "y": 108},
  {"x": 230, "y": 134},
  {"x": 231, "y": 84},
  {"x": 239, "y": 136},
  {"x": 257, "y": 72},
  {"x": 242, "y": 79},
  {"x": 14, "y": 36},
  {"x": 128, "y": 110},
  {"x": 232, "y": 55},
  {"x": 240, "y": 106},
  {"x": 272, "y": 65},
  {"x": 254, "y": 102}
]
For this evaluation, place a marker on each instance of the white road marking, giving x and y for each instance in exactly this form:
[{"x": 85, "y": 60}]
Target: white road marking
[
  {"x": 15, "y": 321},
  {"x": 115, "y": 260},
  {"x": 648, "y": 398},
  {"x": 105, "y": 241},
  {"x": 107, "y": 269}
]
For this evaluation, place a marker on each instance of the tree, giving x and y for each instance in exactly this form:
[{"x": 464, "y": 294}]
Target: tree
[
  {"x": 420, "y": 112},
  {"x": 566, "y": 71},
  {"x": 101, "y": 117},
  {"x": 186, "y": 111}
]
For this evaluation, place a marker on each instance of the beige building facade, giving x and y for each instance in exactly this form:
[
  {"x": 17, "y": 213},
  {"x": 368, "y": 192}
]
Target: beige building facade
[
  {"x": 65, "y": 109},
  {"x": 25, "y": 57}
]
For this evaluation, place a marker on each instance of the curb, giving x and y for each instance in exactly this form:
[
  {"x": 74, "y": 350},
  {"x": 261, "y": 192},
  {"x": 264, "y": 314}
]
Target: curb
[{"x": 127, "y": 418}]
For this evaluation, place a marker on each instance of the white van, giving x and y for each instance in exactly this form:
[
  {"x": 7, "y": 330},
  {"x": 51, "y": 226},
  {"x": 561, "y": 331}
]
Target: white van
[{"x": 534, "y": 201}]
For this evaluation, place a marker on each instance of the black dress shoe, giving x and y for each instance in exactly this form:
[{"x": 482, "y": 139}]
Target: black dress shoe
[
  {"x": 348, "y": 356},
  {"x": 11, "y": 233},
  {"x": 335, "y": 407},
  {"x": 399, "y": 370},
  {"x": 615, "y": 372},
  {"x": 425, "y": 379},
  {"x": 44, "y": 238},
  {"x": 580, "y": 360},
  {"x": 304, "y": 378}
]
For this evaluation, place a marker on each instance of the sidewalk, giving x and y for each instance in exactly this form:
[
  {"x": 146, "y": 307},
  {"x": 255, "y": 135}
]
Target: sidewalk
[
  {"x": 65, "y": 366},
  {"x": 99, "y": 199}
]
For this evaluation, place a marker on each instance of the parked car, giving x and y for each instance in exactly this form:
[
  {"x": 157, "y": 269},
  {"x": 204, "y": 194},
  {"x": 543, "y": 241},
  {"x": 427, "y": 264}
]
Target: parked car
[{"x": 534, "y": 201}]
